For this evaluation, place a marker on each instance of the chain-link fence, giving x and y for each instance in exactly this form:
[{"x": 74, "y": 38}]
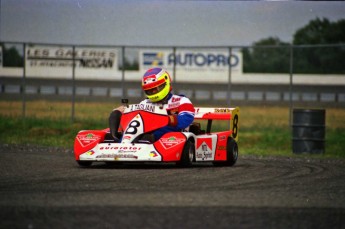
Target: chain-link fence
[{"x": 303, "y": 75}]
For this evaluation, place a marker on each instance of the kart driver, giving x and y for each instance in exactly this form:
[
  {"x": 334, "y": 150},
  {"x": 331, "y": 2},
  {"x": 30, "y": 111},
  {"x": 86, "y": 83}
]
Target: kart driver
[{"x": 156, "y": 84}]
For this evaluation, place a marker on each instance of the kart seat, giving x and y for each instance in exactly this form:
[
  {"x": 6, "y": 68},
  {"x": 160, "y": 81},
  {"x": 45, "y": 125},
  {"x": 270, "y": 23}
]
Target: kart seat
[{"x": 196, "y": 129}]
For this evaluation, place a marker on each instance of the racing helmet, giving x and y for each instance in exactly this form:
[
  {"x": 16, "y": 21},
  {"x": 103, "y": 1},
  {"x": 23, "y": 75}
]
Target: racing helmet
[{"x": 156, "y": 84}]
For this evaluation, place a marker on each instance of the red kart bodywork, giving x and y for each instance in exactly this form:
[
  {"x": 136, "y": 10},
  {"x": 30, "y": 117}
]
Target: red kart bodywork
[{"x": 95, "y": 145}]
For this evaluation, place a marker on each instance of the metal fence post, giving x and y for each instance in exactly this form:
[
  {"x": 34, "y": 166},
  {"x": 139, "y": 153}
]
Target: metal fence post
[
  {"x": 174, "y": 66},
  {"x": 73, "y": 83},
  {"x": 124, "y": 94},
  {"x": 228, "y": 97},
  {"x": 23, "y": 88},
  {"x": 291, "y": 81}
]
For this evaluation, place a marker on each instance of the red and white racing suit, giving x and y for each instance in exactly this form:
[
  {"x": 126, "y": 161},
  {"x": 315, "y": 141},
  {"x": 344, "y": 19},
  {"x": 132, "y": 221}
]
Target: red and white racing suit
[{"x": 181, "y": 110}]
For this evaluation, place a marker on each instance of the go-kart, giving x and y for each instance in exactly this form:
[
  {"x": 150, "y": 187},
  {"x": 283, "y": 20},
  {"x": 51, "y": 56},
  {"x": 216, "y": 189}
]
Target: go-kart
[{"x": 193, "y": 144}]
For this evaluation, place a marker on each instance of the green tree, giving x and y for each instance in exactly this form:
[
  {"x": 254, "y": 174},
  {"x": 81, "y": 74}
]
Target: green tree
[
  {"x": 268, "y": 55},
  {"x": 320, "y": 59},
  {"x": 130, "y": 65},
  {"x": 11, "y": 57}
]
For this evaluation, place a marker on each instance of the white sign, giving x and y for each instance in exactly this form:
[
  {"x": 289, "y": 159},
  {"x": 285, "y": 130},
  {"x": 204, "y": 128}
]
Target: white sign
[
  {"x": 57, "y": 61},
  {"x": 205, "y": 65}
]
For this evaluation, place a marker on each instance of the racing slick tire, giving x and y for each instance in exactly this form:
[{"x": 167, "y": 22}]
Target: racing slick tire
[
  {"x": 84, "y": 163},
  {"x": 188, "y": 154},
  {"x": 231, "y": 154}
]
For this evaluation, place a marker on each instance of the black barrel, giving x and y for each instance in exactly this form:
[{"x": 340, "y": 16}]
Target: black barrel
[{"x": 308, "y": 131}]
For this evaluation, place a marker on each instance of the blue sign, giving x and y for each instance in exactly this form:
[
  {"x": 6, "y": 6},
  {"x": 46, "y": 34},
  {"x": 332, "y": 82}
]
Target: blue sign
[{"x": 153, "y": 59}]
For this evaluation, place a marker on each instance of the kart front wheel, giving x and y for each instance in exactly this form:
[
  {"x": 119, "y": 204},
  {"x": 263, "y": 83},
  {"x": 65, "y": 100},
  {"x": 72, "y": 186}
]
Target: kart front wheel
[{"x": 188, "y": 154}]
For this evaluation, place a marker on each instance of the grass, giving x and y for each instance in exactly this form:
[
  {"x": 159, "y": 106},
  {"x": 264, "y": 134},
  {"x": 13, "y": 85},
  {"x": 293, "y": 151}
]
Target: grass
[{"x": 263, "y": 130}]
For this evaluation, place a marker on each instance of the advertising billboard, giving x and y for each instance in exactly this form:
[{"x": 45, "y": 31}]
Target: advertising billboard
[
  {"x": 57, "y": 62},
  {"x": 205, "y": 65}
]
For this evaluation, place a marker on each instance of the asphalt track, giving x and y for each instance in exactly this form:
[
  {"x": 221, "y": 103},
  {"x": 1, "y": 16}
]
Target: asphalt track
[{"x": 42, "y": 187}]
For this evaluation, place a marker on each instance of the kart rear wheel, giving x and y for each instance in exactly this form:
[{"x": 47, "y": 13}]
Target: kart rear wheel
[
  {"x": 231, "y": 154},
  {"x": 188, "y": 154},
  {"x": 84, "y": 163}
]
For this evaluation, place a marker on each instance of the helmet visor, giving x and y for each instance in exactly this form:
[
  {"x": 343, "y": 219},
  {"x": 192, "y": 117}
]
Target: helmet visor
[{"x": 155, "y": 90}]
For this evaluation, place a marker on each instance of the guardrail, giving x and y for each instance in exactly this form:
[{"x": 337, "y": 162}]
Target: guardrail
[{"x": 200, "y": 93}]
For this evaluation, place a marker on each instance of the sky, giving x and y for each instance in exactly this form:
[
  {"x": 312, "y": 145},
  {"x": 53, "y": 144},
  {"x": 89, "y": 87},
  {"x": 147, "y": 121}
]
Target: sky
[{"x": 158, "y": 23}]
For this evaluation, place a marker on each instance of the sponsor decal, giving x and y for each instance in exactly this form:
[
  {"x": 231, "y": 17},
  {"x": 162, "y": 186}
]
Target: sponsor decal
[
  {"x": 124, "y": 149},
  {"x": 153, "y": 154},
  {"x": 201, "y": 59},
  {"x": 191, "y": 59},
  {"x": 174, "y": 105},
  {"x": 106, "y": 155},
  {"x": 91, "y": 152},
  {"x": 153, "y": 58},
  {"x": 144, "y": 107},
  {"x": 87, "y": 139},
  {"x": 116, "y": 156},
  {"x": 203, "y": 142},
  {"x": 119, "y": 156},
  {"x": 204, "y": 148},
  {"x": 222, "y": 138},
  {"x": 57, "y": 61},
  {"x": 170, "y": 141},
  {"x": 222, "y": 110},
  {"x": 175, "y": 99},
  {"x": 204, "y": 155},
  {"x": 54, "y": 56},
  {"x": 221, "y": 148}
]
